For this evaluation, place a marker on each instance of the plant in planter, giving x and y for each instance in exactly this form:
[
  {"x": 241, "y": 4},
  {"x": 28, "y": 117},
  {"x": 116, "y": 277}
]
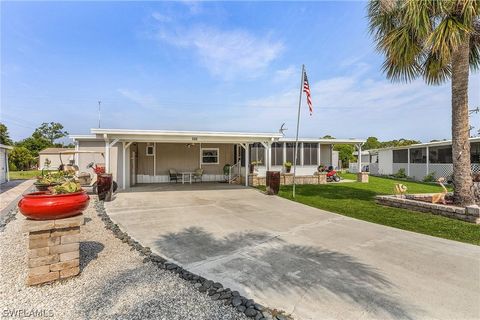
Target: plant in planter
[
  {"x": 61, "y": 201},
  {"x": 253, "y": 164},
  {"x": 321, "y": 168},
  {"x": 50, "y": 179},
  {"x": 226, "y": 171},
  {"x": 288, "y": 166}
]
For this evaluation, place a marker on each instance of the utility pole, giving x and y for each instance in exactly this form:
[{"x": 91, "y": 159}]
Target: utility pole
[{"x": 99, "y": 109}]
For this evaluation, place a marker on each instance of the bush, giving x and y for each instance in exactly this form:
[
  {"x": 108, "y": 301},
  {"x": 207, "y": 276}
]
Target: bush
[
  {"x": 430, "y": 177},
  {"x": 12, "y": 167},
  {"x": 400, "y": 174}
]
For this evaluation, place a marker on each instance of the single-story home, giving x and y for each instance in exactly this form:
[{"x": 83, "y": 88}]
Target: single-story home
[
  {"x": 4, "y": 162},
  {"x": 55, "y": 157},
  {"x": 146, "y": 156},
  {"x": 419, "y": 160}
]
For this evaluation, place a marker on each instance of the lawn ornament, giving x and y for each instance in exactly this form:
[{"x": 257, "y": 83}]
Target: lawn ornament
[
  {"x": 440, "y": 197},
  {"x": 400, "y": 190}
]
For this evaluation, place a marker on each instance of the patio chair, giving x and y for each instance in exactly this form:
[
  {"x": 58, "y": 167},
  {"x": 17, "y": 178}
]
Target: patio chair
[
  {"x": 197, "y": 175},
  {"x": 174, "y": 175}
]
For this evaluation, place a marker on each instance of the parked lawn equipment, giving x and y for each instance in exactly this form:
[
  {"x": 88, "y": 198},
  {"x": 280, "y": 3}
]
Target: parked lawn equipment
[{"x": 332, "y": 175}]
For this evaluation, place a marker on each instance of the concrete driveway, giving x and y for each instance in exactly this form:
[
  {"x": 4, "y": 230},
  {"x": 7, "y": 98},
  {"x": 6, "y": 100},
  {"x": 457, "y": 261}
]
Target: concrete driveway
[{"x": 311, "y": 263}]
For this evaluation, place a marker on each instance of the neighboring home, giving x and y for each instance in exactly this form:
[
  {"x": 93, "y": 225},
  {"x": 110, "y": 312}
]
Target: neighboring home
[
  {"x": 146, "y": 156},
  {"x": 4, "y": 163},
  {"x": 419, "y": 160},
  {"x": 55, "y": 157},
  {"x": 365, "y": 160}
]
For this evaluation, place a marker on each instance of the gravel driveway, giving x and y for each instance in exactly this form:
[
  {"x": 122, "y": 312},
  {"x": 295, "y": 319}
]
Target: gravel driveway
[{"x": 113, "y": 283}]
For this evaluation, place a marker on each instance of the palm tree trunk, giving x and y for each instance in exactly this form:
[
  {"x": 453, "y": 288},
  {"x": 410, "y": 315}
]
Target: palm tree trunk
[{"x": 462, "y": 171}]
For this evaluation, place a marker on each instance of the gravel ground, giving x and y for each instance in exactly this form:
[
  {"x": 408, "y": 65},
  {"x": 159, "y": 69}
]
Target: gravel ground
[{"x": 114, "y": 283}]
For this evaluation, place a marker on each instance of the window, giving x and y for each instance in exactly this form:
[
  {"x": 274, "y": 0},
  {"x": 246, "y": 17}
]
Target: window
[
  {"x": 290, "y": 148},
  {"x": 277, "y": 154},
  {"x": 400, "y": 156},
  {"x": 440, "y": 154},
  {"x": 257, "y": 154},
  {"x": 310, "y": 154},
  {"x": 210, "y": 156},
  {"x": 418, "y": 155},
  {"x": 475, "y": 152},
  {"x": 150, "y": 151}
]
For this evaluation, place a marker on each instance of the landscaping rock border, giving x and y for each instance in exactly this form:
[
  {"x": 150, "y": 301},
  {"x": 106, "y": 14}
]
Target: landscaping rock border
[
  {"x": 214, "y": 289},
  {"x": 469, "y": 214}
]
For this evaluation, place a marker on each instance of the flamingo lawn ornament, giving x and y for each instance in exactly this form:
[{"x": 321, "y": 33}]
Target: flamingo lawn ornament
[{"x": 440, "y": 197}]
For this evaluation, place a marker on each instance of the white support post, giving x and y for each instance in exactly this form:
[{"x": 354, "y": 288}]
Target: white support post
[
  {"x": 284, "y": 152},
  {"x": 154, "y": 159},
  {"x": 301, "y": 153},
  {"x": 247, "y": 162},
  {"x": 200, "y": 155},
  {"x": 77, "y": 156},
  {"x": 428, "y": 160},
  {"x": 269, "y": 156},
  {"x": 319, "y": 161},
  {"x": 408, "y": 162},
  {"x": 107, "y": 156},
  {"x": 359, "y": 159},
  {"x": 124, "y": 165}
]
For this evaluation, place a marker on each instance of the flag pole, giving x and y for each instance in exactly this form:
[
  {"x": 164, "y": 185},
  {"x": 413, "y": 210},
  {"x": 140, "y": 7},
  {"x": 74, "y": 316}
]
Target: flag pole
[{"x": 298, "y": 124}]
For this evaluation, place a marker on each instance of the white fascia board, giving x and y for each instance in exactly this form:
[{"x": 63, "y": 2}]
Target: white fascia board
[
  {"x": 324, "y": 141},
  {"x": 426, "y": 144},
  {"x": 83, "y": 137},
  {"x": 184, "y": 136}
]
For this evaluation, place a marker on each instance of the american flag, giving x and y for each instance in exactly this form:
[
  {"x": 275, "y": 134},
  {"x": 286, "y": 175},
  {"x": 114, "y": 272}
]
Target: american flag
[{"x": 306, "y": 89}]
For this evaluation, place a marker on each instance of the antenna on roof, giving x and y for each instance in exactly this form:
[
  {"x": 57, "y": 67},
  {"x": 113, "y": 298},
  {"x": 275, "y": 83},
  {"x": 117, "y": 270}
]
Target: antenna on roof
[
  {"x": 99, "y": 103},
  {"x": 283, "y": 129}
]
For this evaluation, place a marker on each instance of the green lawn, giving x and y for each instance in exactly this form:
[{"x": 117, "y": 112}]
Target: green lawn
[
  {"x": 22, "y": 175},
  {"x": 356, "y": 200}
]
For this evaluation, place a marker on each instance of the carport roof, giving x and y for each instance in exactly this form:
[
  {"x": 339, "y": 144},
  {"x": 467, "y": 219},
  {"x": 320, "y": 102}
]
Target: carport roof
[
  {"x": 199, "y": 136},
  {"x": 178, "y": 136}
]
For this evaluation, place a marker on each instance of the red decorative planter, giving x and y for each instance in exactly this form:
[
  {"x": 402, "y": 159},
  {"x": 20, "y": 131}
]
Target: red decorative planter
[{"x": 46, "y": 206}]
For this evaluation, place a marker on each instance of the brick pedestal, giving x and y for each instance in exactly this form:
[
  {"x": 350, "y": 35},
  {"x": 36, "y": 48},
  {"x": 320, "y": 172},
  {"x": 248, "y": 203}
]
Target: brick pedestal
[
  {"x": 53, "y": 249},
  {"x": 362, "y": 177},
  {"x": 322, "y": 177}
]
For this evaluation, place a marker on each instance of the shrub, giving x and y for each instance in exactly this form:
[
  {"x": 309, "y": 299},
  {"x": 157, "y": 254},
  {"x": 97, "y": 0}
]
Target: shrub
[
  {"x": 400, "y": 174},
  {"x": 430, "y": 177}
]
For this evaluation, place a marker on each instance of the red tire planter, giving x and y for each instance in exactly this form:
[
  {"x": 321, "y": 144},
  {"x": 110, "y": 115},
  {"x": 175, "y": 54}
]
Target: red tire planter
[{"x": 46, "y": 206}]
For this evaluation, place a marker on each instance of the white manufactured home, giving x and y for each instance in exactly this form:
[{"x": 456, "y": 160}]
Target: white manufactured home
[
  {"x": 148, "y": 156},
  {"x": 4, "y": 150},
  {"x": 420, "y": 160}
]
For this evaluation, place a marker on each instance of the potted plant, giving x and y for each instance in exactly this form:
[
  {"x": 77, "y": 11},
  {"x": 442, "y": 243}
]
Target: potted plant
[
  {"x": 321, "y": 168},
  {"x": 50, "y": 179},
  {"x": 60, "y": 201},
  {"x": 253, "y": 164},
  {"x": 288, "y": 166}
]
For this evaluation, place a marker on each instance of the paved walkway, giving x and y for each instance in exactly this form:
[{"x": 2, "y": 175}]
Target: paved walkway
[
  {"x": 308, "y": 262},
  {"x": 10, "y": 193}
]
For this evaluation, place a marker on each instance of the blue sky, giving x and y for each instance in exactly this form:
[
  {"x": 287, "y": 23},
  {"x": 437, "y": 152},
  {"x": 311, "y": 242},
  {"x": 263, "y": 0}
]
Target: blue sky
[{"x": 231, "y": 66}]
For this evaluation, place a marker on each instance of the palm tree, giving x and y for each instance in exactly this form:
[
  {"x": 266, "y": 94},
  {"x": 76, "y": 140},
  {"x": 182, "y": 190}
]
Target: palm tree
[{"x": 435, "y": 40}]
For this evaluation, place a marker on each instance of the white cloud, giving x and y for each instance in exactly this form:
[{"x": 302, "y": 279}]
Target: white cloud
[
  {"x": 358, "y": 106},
  {"x": 226, "y": 53},
  {"x": 146, "y": 101},
  {"x": 161, "y": 17},
  {"x": 287, "y": 74}
]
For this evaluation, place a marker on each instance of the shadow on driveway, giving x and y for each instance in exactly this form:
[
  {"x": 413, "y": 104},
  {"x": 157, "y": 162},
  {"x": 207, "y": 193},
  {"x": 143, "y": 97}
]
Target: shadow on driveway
[{"x": 286, "y": 268}]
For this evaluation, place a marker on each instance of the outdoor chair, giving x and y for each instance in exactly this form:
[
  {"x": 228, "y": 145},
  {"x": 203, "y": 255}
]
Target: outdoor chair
[
  {"x": 174, "y": 176},
  {"x": 197, "y": 175}
]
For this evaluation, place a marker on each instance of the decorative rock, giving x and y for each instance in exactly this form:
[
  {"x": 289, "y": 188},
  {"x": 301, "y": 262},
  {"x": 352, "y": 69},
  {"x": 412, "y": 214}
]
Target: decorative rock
[
  {"x": 225, "y": 295},
  {"x": 249, "y": 303},
  {"x": 241, "y": 308},
  {"x": 235, "y": 293},
  {"x": 259, "y": 307},
  {"x": 202, "y": 289},
  {"x": 216, "y": 296},
  {"x": 217, "y": 285},
  {"x": 211, "y": 292},
  {"x": 208, "y": 284},
  {"x": 236, "y": 301},
  {"x": 197, "y": 285},
  {"x": 251, "y": 312}
]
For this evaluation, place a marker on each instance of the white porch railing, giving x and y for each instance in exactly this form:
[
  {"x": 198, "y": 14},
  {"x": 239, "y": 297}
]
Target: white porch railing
[{"x": 234, "y": 172}]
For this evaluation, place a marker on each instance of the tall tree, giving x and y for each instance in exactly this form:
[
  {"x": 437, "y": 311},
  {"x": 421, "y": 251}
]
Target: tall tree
[
  {"x": 51, "y": 131},
  {"x": 436, "y": 40},
  {"x": 4, "y": 135},
  {"x": 371, "y": 143},
  {"x": 20, "y": 158}
]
